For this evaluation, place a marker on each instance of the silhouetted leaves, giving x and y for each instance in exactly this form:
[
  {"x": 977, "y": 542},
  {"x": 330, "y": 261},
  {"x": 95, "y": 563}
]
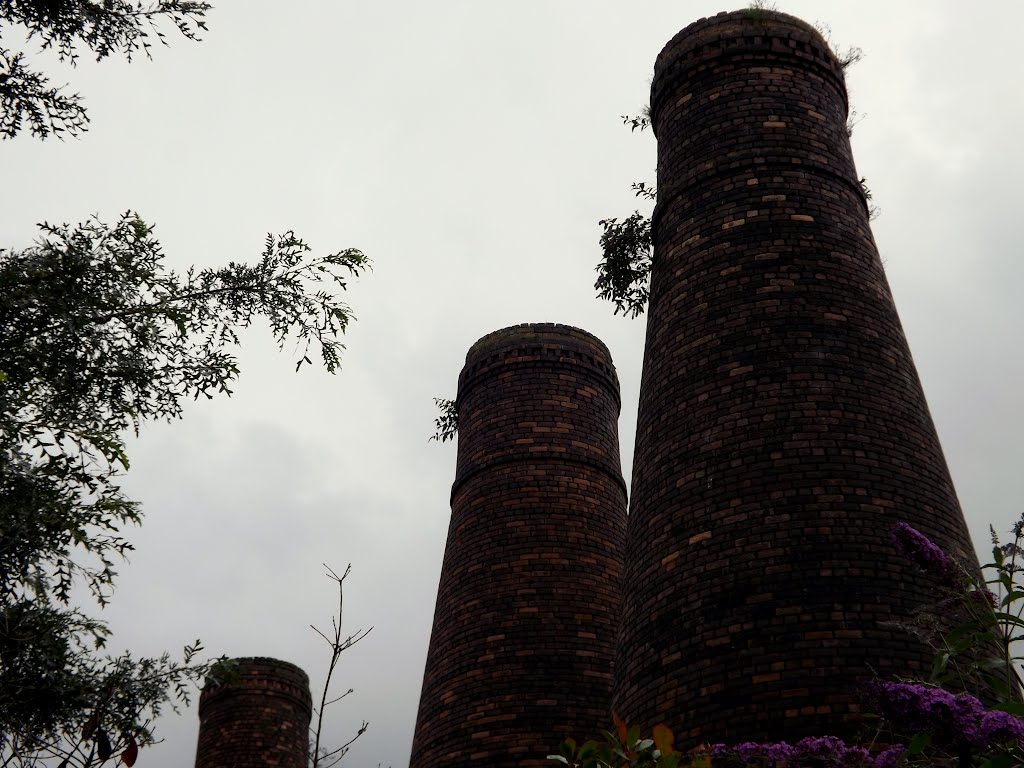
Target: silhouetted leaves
[
  {"x": 105, "y": 29},
  {"x": 623, "y": 274},
  {"x": 446, "y": 425}
]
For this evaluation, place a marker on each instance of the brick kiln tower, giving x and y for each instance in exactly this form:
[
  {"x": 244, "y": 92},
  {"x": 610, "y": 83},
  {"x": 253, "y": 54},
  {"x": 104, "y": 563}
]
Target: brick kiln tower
[
  {"x": 782, "y": 427},
  {"x": 261, "y": 719},
  {"x": 527, "y": 608}
]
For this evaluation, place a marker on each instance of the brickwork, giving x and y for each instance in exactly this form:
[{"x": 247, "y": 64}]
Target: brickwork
[
  {"x": 782, "y": 428},
  {"x": 260, "y": 720},
  {"x": 527, "y": 608}
]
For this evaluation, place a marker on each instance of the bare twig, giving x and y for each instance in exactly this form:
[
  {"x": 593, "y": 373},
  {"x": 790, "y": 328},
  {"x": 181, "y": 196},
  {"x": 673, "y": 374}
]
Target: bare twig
[{"x": 324, "y": 758}]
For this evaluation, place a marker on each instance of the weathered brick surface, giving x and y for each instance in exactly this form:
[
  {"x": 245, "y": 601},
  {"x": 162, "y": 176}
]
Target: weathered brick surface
[
  {"x": 782, "y": 428},
  {"x": 260, "y": 720},
  {"x": 527, "y": 608}
]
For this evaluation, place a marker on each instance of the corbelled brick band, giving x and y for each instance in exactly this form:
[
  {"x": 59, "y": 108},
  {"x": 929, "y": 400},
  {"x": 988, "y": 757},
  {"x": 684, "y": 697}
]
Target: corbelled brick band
[
  {"x": 527, "y": 608},
  {"x": 782, "y": 428},
  {"x": 259, "y": 720}
]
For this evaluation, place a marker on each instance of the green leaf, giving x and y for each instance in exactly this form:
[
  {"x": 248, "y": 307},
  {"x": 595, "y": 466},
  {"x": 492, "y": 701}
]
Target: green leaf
[
  {"x": 1000, "y": 761},
  {"x": 919, "y": 744},
  {"x": 568, "y": 749},
  {"x": 1010, "y": 619},
  {"x": 632, "y": 736},
  {"x": 588, "y": 749}
]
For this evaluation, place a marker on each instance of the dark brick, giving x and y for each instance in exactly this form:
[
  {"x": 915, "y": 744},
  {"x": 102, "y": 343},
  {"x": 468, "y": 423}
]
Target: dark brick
[
  {"x": 260, "y": 720},
  {"x": 782, "y": 428}
]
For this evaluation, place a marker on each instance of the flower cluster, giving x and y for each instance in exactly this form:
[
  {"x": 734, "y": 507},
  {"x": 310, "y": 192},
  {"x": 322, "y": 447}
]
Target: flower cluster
[
  {"x": 956, "y": 719},
  {"x": 819, "y": 749},
  {"x": 929, "y": 556}
]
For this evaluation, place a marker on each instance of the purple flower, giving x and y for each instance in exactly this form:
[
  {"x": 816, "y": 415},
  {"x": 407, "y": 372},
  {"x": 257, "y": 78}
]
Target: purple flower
[
  {"x": 750, "y": 751},
  {"x": 1018, "y": 527},
  {"x": 984, "y": 597},
  {"x": 1011, "y": 549},
  {"x": 813, "y": 750},
  {"x": 889, "y": 757},
  {"x": 950, "y": 718},
  {"x": 929, "y": 556},
  {"x": 1000, "y": 727},
  {"x": 821, "y": 746}
]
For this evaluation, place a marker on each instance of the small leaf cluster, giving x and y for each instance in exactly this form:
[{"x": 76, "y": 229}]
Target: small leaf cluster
[
  {"x": 639, "y": 122},
  {"x": 623, "y": 274},
  {"x": 626, "y": 749},
  {"x": 446, "y": 425},
  {"x": 26, "y": 96}
]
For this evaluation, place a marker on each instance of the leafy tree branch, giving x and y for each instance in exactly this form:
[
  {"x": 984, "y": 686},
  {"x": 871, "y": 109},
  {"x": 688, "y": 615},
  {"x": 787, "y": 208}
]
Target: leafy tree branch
[{"x": 105, "y": 28}]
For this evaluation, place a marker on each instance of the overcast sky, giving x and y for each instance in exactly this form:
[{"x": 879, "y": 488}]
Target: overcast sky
[{"x": 469, "y": 149}]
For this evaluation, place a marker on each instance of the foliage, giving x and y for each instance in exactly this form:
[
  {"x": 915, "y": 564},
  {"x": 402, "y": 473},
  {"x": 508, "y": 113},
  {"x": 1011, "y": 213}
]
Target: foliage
[
  {"x": 873, "y": 210},
  {"x": 322, "y": 757},
  {"x": 26, "y": 96},
  {"x": 847, "y": 55},
  {"x": 975, "y": 634},
  {"x": 758, "y": 10},
  {"x": 96, "y": 336},
  {"x": 93, "y": 708},
  {"x": 639, "y": 122},
  {"x": 624, "y": 747},
  {"x": 623, "y": 274},
  {"x": 446, "y": 425},
  {"x": 105, "y": 29}
]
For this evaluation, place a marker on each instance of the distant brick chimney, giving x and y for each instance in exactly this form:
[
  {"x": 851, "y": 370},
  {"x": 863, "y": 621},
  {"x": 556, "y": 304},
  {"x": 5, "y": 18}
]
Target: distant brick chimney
[{"x": 259, "y": 720}]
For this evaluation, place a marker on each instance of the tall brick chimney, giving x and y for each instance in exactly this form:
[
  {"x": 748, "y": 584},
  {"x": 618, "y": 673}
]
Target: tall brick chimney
[
  {"x": 259, "y": 720},
  {"x": 527, "y": 608},
  {"x": 782, "y": 428}
]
